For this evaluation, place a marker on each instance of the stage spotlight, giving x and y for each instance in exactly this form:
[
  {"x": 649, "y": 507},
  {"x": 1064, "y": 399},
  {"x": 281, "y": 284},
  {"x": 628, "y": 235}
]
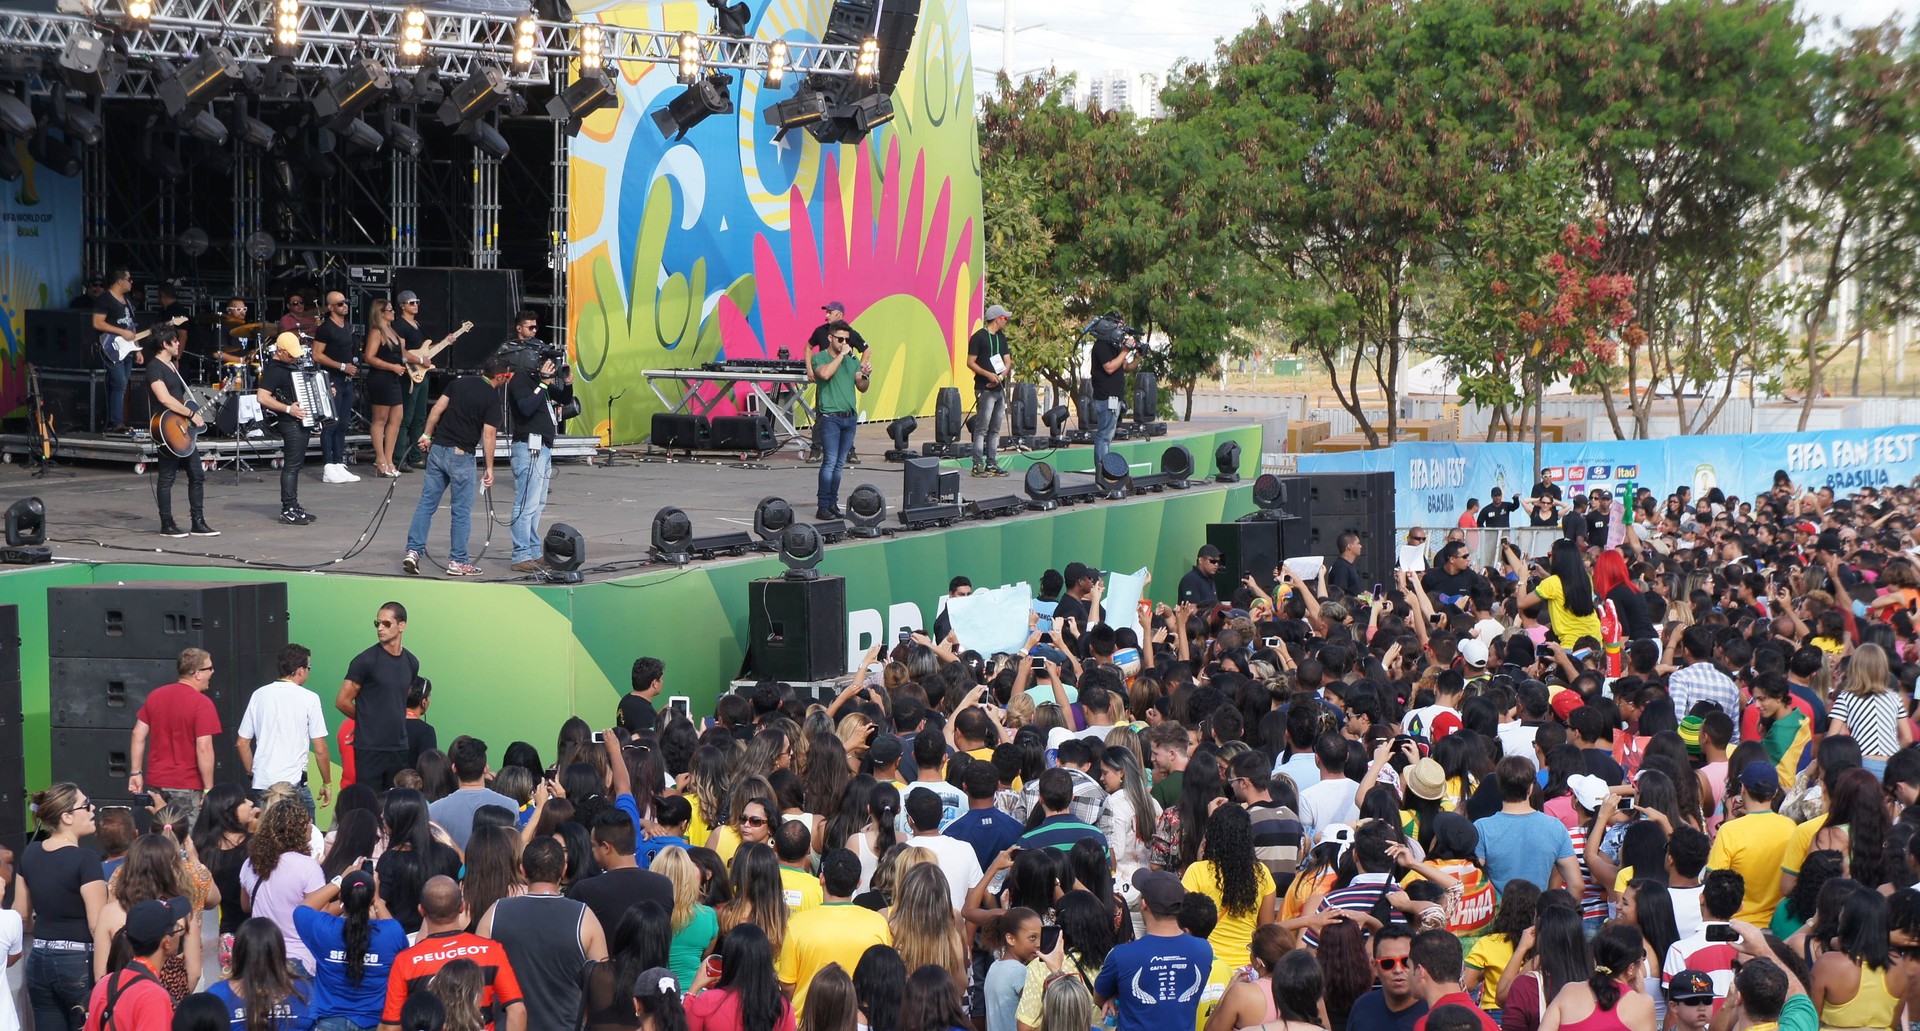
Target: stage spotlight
[
  {"x": 360, "y": 86},
  {"x": 771, "y": 518},
  {"x": 255, "y": 133},
  {"x": 89, "y": 65},
  {"x": 78, "y": 121},
  {"x": 563, "y": 551},
  {"x": 413, "y": 37},
  {"x": 689, "y": 56},
  {"x": 801, "y": 109},
  {"x": 486, "y": 139},
  {"x": 204, "y": 79},
  {"x": 866, "y": 510},
  {"x": 483, "y": 91},
  {"x": 260, "y": 246},
  {"x": 1056, "y": 421},
  {"x": 403, "y": 137},
  {"x": 139, "y": 13},
  {"x": 286, "y": 28},
  {"x": 591, "y": 92},
  {"x": 26, "y": 523},
  {"x": 203, "y": 126},
  {"x": 776, "y": 63},
  {"x": 358, "y": 134},
  {"x": 869, "y": 112},
  {"x": 671, "y": 532},
  {"x": 593, "y": 48},
  {"x": 1114, "y": 475},
  {"x": 15, "y": 116},
  {"x": 1176, "y": 464},
  {"x": 54, "y": 155},
  {"x": 705, "y": 98},
  {"x": 1146, "y": 405},
  {"x": 1043, "y": 486},
  {"x": 730, "y": 19},
  {"x": 869, "y": 62},
  {"x": 801, "y": 550},
  {"x": 1226, "y": 459},
  {"x": 947, "y": 423},
  {"x": 428, "y": 92},
  {"x": 526, "y": 34},
  {"x": 900, "y": 429},
  {"x": 1269, "y": 492}
]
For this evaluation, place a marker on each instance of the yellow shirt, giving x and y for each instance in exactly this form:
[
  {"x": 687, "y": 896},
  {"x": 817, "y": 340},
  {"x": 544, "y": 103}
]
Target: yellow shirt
[
  {"x": 1490, "y": 956},
  {"x": 1801, "y": 844},
  {"x": 697, "y": 830},
  {"x": 1754, "y": 846},
  {"x": 802, "y": 890},
  {"x": 1219, "y": 979},
  {"x": 1567, "y": 627},
  {"x": 1232, "y": 937},
  {"x": 833, "y": 932},
  {"x": 727, "y": 843}
]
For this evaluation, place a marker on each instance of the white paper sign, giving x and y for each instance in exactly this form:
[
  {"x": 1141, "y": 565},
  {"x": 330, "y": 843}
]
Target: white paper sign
[
  {"x": 992, "y": 621},
  {"x": 1306, "y": 567},
  {"x": 1121, "y": 604},
  {"x": 1413, "y": 558}
]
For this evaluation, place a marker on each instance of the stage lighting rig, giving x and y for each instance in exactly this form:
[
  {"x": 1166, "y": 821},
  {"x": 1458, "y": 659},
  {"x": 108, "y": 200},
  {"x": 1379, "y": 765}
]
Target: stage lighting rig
[
  {"x": 203, "y": 126},
  {"x": 592, "y": 91},
  {"x": 688, "y": 52},
  {"x": 869, "y": 61},
  {"x": 483, "y": 91},
  {"x": 1056, "y": 421},
  {"x": 866, "y": 509},
  {"x": 771, "y": 518},
  {"x": 802, "y": 109},
  {"x": 428, "y": 91},
  {"x": 89, "y": 65},
  {"x": 562, "y": 552},
  {"x": 1043, "y": 487},
  {"x": 54, "y": 154},
  {"x": 139, "y": 13},
  {"x": 671, "y": 532},
  {"x": 703, "y": 99},
  {"x": 866, "y": 114},
  {"x": 901, "y": 430},
  {"x": 286, "y": 28},
  {"x": 777, "y": 57},
  {"x": 526, "y": 34},
  {"x": 357, "y": 133},
  {"x": 26, "y": 525},
  {"x": 485, "y": 138},
  {"x": 402, "y": 137},
  {"x": 356, "y": 89},
  {"x": 801, "y": 549},
  {"x": 413, "y": 37},
  {"x": 1113, "y": 476},
  {"x": 1226, "y": 459},
  {"x": 730, "y": 19},
  {"x": 204, "y": 79},
  {"x": 254, "y": 132},
  {"x": 16, "y": 116}
]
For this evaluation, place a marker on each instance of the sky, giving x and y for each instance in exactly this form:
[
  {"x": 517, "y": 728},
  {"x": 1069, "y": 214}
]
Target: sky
[{"x": 1151, "y": 35}]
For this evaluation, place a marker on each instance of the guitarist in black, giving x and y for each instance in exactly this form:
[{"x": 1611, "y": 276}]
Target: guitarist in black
[
  {"x": 170, "y": 393},
  {"x": 113, "y": 319}
]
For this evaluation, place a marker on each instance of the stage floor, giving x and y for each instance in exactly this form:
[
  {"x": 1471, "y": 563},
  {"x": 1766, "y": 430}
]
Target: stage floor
[{"x": 104, "y": 513}]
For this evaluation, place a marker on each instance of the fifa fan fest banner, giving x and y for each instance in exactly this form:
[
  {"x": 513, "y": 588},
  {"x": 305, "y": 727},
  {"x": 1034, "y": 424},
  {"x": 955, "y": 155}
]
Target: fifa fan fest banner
[
  {"x": 725, "y": 244},
  {"x": 1435, "y": 480},
  {"x": 39, "y": 260}
]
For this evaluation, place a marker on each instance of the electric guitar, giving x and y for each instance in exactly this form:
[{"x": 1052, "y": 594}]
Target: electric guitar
[
  {"x": 121, "y": 347},
  {"x": 418, "y": 373},
  {"x": 42, "y": 419}
]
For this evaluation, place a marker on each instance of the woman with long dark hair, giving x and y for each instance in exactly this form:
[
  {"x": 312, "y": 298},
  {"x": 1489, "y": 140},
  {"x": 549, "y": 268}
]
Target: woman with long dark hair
[
  {"x": 880, "y": 833},
  {"x": 1856, "y": 985},
  {"x": 354, "y": 837},
  {"x": 758, "y": 894},
  {"x": 1177, "y": 837},
  {"x": 436, "y": 775},
  {"x": 1568, "y": 594},
  {"x": 1298, "y": 985},
  {"x": 931, "y": 1002},
  {"x": 220, "y": 832},
  {"x": 1857, "y": 826},
  {"x": 1606, "y": 1000},
  {"x": 353, "y": 941},
  {"x": 746, "y": 996},
  {"x": 1239, "y": 884},
  {"x": 640, "y": 942},
  {"x": 261, "y": 994},
  {"x": 1086, "y": 936},
  {"x": 492, "y": 871},
  {"x": 825, "y": 783},
  {"x": 412, "y": 856},
  {"x": 1346, "y": 970},
  {"x": 1557, "y": 951},
  {"x": 878, "y": 982},
  {"x": 1794, "y": 911},
  {"x": 1646, "y": 905},
  {"x": 1131, "y": 810},
  {"x": 1492, "y": 956}
]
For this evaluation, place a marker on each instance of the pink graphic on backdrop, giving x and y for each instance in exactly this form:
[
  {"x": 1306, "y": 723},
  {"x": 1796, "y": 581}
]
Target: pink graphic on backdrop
[{"x": 888, "y": 257}]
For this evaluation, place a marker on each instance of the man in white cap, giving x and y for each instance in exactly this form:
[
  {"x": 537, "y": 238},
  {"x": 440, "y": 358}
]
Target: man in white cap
[
  {"x": 279, "y": 401},
  {"x": 992, "y": 367}
]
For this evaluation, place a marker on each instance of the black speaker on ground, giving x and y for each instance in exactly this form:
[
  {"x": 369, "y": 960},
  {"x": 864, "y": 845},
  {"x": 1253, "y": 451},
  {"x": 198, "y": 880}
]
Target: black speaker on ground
[
  {"x": 1251, "y": 548},
  {"x": 1023, "y": 412},
  {"x": 797, "y": 629},
  {"x": 62, "y": 338},
  {"x": 105, "y": 693},
  {"x": 488, "y": 298},
  {"x": 743, "y": 433},
  {"x": 13, "y": 763},
  {"x": 681, "y": 432}
]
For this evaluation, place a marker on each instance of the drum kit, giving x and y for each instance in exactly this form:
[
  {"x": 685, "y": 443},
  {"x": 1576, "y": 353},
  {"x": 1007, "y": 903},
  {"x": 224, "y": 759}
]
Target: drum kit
[{"x": 229, "y": 376}]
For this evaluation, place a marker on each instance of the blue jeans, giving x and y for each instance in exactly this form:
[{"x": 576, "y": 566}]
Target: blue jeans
[
  {"x": 446, "y": 468},
  {"x": 119, "y": 372},
  {"x": 58, "y": 984},
  {"x": 333, "y": 439},
  {"x": 532, "y": 474},
  {"x": 836, "y": 442},
  {"x": 340, "y": 1024},
  {"x": 1106, "y": 419},
  {"x": 990, "y": 405}
]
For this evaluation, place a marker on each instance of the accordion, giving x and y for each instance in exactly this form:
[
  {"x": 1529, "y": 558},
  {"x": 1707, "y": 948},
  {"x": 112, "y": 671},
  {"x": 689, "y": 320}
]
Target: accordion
[{"x": 314, "y": 392}]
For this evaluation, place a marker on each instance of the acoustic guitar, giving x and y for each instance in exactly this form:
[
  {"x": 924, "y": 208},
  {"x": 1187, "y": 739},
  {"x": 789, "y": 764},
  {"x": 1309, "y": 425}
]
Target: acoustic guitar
[
  {"x": 122, "y": 347},
  {"x": 174, "y": 431},
  {"x": 418, "y": 373}
]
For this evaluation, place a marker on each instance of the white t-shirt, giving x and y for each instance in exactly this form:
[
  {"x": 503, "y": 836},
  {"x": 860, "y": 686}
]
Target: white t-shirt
[
  {"x": 957, "y": 861},
  {"x": 1516, "y": 738},
  {"x": 12, "y": 939},
  {"x": 281, "y": 720},
  {"x": 1327, "y": 803},
  {"x": 1686, "y": 910}
]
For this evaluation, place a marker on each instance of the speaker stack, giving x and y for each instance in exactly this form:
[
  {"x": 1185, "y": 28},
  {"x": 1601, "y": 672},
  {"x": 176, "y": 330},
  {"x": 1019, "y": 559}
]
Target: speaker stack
[
  {"x": 797, "y": 629},
  {"x": 1304, "y": 516},
  {"x": 110, "y": 644},
  {"x": 13, "y": 762}
]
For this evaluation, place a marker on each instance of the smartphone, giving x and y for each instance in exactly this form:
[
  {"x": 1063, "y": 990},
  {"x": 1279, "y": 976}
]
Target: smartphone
[
  {"x": 599, "y": 737},
  {"x": 1376, "y": 590},
  {"x": 1039, "y": 663},
  {"x": 1049, "y": 937},
  {"x": 681, "y": 704},
  {"x": 1270, "y": 642},
  {"x": 906, "y": 634},
  {"x": 1626, "y": 804},
  {"x": 1721, "y": 933}
]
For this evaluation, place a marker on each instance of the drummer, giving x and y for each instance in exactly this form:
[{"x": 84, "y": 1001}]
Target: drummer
[{"x": 300, "y": 317}]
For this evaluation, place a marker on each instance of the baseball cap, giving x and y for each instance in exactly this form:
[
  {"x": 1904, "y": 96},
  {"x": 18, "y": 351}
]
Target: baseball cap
[
  {"x": 1690, "y": 986},
  {"x": 1760, "y": 777},
  {"x": 1473, "y": 652},
  {"x": 405, "y": 296},
  {"x": 1588, "y": 790},
  {"x": 97, "y": 281},
  {"x": 885, "y": 750},
  {"x": 1160, "y": 891},
  {"x": 834, "y": 306},
  {"x": 656, "y": 981},
  {"x": 1078, "y": 571},
  {"x": 1209, "y": 551},
  {"x": 149, "y": 922},
  {"x": 1565, "y": 701},
  {"x": 290, "y": 343},
  {"x": 998, "y": 312}
]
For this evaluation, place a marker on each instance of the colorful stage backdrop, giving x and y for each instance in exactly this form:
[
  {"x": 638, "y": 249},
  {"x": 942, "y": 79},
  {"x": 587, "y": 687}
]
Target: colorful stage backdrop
[
  {"x": 726, "y": 244},
  {"x": 39, "y": 259}
]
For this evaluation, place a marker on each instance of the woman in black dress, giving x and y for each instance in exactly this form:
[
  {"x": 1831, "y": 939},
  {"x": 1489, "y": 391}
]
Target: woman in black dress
[{"x": 386, "y": 384}]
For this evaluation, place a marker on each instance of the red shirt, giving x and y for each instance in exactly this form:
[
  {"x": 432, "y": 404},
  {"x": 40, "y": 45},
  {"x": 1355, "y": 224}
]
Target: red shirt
[
  {"x": 176, "y": 716},
  {"x": 718, "y": 1009},
  {"x": 345, "y": 739},
  {"x": 413, "y": 968},
  {"x": 1459, "y": 999},
  {"x": 143, "y": 1005}
]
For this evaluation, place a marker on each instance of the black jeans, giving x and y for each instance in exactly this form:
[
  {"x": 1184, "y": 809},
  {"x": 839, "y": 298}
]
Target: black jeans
[
  {"x": 293, "y": 455},
  {"x": 169, "y": 467},
  {"x": 375, "y": 767},
  {"x": 333, "y": 439}
]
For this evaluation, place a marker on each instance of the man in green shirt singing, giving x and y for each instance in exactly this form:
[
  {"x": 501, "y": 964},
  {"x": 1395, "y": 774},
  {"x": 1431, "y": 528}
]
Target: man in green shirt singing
[{"x": 842, "y": 376}]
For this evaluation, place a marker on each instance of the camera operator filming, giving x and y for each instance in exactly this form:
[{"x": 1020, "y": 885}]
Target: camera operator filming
[
  {"x": 537, "y": 400},
  {"x": 1116, "y": 350}
]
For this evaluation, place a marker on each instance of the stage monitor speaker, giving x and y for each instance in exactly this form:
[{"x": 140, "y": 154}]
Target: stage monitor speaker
[
  {"x": 62, "y": 338},
  {"x": 947, "y": 415},
  {"x": 797, "y": 629},
  {"x": 488, "y": 298},
  {"x": 1245, "y": 549},
  {"x": 105, "y": 693},
  {"x": 744, "y": 433},
  {"x": 680, "y": 432}
]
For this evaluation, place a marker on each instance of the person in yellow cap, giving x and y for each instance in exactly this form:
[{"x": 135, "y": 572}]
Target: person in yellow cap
[{"x": 282, "y": 405}]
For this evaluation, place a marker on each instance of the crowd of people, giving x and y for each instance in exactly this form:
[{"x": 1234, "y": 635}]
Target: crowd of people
[{"x": 1660, "y": 777}]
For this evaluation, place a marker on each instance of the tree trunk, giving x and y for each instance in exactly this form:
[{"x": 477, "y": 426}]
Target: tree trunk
[
  {"x": 1813, "y": 375},
  {"x": 1538, "y": 418},
  {"x": 1188, "y": 417}
]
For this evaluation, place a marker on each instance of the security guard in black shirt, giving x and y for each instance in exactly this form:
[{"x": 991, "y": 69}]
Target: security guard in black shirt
[{"x": 1197, "y": 586}]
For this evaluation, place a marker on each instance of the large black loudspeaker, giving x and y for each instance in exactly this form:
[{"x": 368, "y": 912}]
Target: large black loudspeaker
[
  {"x": 13, "y": 763},
  {"x": 62, "y": 338},
  {"x": 680, "y": 432},
  {"x": 1251, "y": 548},
  {"x": 797, "y": 629},
  {"x": 77, "y": 400},
  {"x": 898, "y": 20},
  {"x": 1023, "y": 411},
  {"x": 112, "y": 644},
  {"x": 744, "y": 433},
  {"x": 488, "y": 298},
  {"x": 1316, "y": 510}
]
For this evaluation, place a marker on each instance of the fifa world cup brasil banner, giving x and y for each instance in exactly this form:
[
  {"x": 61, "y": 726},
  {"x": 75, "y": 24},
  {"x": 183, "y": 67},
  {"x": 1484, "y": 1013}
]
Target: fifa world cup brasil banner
[
  {"x": 39, "y": 258},
  {"x": 725, "y": 244}
]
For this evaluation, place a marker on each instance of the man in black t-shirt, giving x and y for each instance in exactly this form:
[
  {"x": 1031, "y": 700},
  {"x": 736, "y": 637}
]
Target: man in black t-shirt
[
  {"x": 467, "y": 418},
  {"x": 280, "y": 403},
  {"x": 333, "y": 351},
  {"x": 992, "y": 366},
  {"x": 636, "y": 709},
  {"x": 113, "y": 319},
  {"x": 413, "y": 422},
  {"x": 170, "y": 392},
  {"x": 1111, "y": 360},
  {"x": 1197, "y": 586},
  {"x": 820, "y": 340},
  {"x": 1498, "y": 512},
  {"x": 374, "y": 696}
]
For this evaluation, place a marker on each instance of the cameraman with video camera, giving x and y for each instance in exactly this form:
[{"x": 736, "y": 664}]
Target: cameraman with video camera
[
  {"x": 537, "y": 400},
  {"x": 1116, "y": 349}
]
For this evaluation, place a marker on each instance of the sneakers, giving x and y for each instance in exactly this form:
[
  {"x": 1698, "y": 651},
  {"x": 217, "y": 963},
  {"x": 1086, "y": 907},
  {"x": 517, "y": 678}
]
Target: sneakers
[
  {"x": 201, "y": 529},
  {"x": 337, "y": 473},
  {"x": 980, "y": 470},
  {"x": 994, "y": 469},
  {"x": 531, "y": 565},
  {"x": 462, "y": 569},
  {"x": 171, "y": 530},
  {"x": 296, "y": 516},
  {"x": 853, "y": 458},
  {"x": 411, "y": 563},
  {"x": 823, "y": 514}
]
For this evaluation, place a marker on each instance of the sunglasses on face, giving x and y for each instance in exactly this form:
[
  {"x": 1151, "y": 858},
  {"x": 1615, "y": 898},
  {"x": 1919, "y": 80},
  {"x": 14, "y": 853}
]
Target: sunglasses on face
[
  {"x": 1394, "y": 962},
  {"x": 385, "y": 622},
  {"x": 753, "y": 821}
]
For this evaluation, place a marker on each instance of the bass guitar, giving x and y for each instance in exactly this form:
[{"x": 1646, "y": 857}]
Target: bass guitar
[
  {"x": 418, "y": 373},
  {"x": 175, "y": 432},
  {"x": 42, "y": 418},
  {"x": 121, "y": 347}
]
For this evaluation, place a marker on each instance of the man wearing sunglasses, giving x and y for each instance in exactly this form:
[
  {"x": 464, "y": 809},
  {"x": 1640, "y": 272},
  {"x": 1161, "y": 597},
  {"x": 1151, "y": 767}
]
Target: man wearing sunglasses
[
  {"x": 374, "y": 696},
  {"x": 173, "y": 736},
  {"x": 1393, "y": 1006}
]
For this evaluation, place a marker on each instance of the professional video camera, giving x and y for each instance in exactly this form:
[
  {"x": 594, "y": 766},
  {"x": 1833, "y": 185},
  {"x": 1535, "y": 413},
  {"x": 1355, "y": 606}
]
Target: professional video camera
[
  {"x": 1111, "y": 329},
  {"x": 528, "y": 355}
]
